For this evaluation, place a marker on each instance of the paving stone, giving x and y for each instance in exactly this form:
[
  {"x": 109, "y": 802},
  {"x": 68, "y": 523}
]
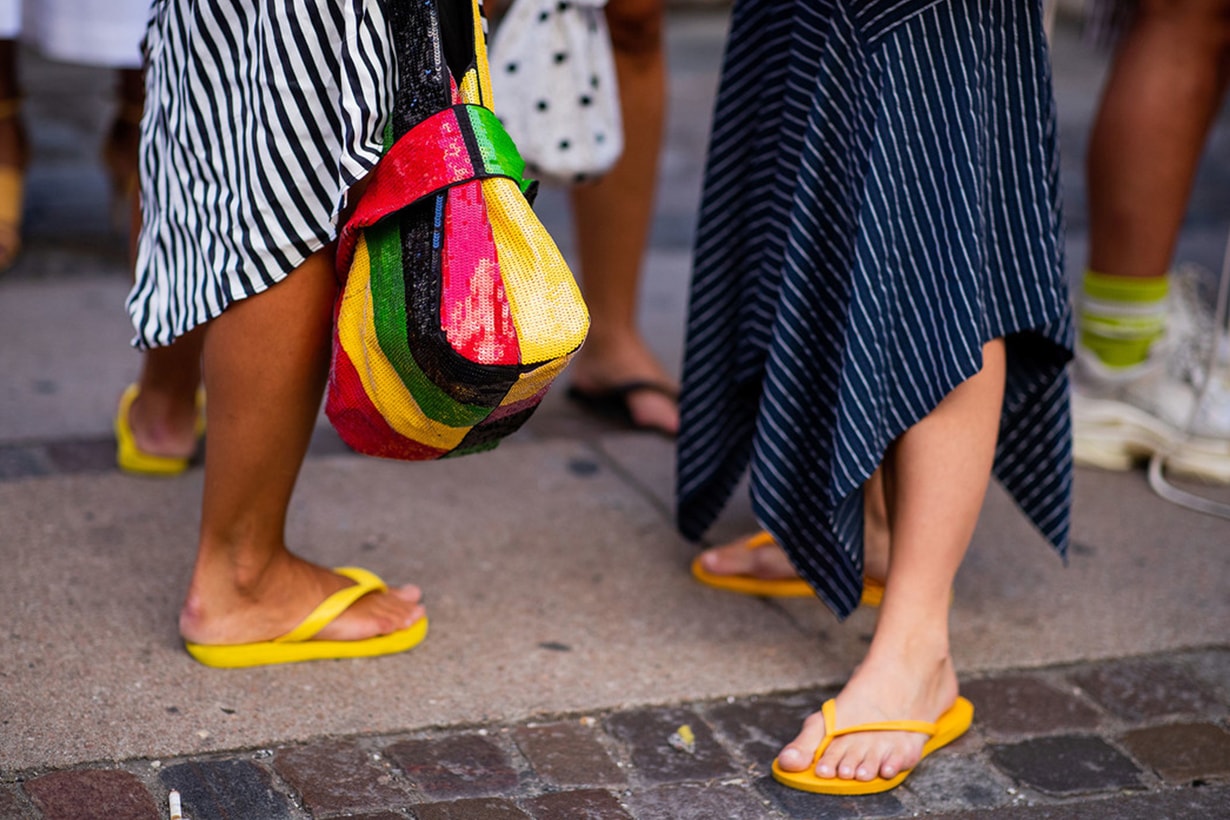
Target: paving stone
[
  {"x": 648, "y": 731},
  {"x": 952, "y": 783},
  {"x": 13, "y": 806},
  {"x": 226, "y": 789},
  {"x": 1212, "y": 667},
  {"x": 584, "y": 804},
  {"x": 695, "y": 801},
  {"x": 92, "y": 794},
  {"x": 1140, "y": 689},
  {"x": 24, "y": 461},
  {"x": 92, "y": 456},
  {"x": 760, "y": 727},
  {"x": 799, "y": 805},
  {"x": 1070, "y": 764},
  {"x": 1019, "y": 704},
  {"x": 1183, "y": 752},
  {"x": 1173, "y": 804},
  {"x": 455, "y": 766},
  {"x": 568, "y": 754},
  {"x": 339, "y": 776},
  {"x": 481, "y": 808}
]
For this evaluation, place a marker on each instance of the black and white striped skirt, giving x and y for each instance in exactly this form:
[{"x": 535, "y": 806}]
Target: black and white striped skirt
[
  {"x": 881, "y": 199},
  {"x": 260, "y": 115}
]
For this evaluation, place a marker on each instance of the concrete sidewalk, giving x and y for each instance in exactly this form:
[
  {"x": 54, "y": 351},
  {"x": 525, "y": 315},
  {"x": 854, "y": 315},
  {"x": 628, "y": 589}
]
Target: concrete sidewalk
[{"x": 557, "y": 588}]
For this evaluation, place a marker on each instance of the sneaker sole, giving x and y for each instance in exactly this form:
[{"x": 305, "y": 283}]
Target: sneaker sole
[{"x": 1113, "y": 435}]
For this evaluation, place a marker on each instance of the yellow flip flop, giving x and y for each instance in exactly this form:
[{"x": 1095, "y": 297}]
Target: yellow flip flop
[
  {"x": 131, "y": 458},
  {"x": 951, "y": 725},
  {"x": 298, "y": 644},
  {"x": 12, "y": 194},
  {"x": 873, "y": 590}
]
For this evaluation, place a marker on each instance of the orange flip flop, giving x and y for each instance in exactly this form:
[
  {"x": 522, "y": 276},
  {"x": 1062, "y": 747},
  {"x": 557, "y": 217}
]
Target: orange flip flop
[
  {"x": 873, "y": 590},
  {"x": 951, "y": 725}
]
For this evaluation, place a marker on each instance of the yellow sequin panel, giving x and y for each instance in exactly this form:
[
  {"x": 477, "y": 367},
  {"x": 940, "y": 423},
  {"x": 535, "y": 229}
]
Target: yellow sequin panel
[
  {"x": 476, "y": 84},
  {"x": 384, "y": 387},
  {"x": 530, "y": 383},
  {"x": 547, "y": 309}
]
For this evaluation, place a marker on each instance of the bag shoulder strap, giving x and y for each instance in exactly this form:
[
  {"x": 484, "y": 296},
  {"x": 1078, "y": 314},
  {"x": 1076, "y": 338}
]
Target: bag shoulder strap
[{"x": 433, "y": 41}]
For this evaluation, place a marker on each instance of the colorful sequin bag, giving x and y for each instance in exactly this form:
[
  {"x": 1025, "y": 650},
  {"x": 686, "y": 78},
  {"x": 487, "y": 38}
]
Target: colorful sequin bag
[{"x": 456, "y": 310}]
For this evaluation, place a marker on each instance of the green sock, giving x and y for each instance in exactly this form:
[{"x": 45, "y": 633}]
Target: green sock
[{"x": 1120, "y": 317}]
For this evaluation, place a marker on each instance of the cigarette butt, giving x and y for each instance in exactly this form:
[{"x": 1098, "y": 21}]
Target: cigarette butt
[{"x": 176, "y": 812}]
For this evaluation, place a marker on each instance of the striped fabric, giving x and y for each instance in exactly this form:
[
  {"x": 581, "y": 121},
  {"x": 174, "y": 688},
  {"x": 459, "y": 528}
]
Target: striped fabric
[
  {"x": 881, "y": 199},
  {"x": 260, "y": 116}
]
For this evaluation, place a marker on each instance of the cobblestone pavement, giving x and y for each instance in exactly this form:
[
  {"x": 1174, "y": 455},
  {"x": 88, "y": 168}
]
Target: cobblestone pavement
[{"x": 1145, "y": 737}]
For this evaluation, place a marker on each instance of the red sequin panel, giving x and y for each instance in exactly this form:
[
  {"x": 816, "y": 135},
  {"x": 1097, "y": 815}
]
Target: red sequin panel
[
  {"x": 474, "y": 310},
  {"x": 359, "y": 423}
]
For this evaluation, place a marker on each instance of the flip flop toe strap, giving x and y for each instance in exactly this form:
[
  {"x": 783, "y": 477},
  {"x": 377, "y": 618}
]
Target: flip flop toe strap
[
  {"x": 829, "y": 710},
  {"x": 330, "y": 608},
  {"x": 760, "y": 539}
]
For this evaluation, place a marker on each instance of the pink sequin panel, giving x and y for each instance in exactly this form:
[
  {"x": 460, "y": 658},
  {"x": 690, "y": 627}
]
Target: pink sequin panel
[{"x": 474, "y": 310}]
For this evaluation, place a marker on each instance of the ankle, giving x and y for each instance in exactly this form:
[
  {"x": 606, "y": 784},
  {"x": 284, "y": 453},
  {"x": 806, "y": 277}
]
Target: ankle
[{"x": 922, "y": 655}]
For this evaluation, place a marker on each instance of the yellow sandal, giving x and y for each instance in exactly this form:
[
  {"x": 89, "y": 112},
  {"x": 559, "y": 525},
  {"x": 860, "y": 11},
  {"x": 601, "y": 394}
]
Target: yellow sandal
[
  {"x": 951, "y": 725},
  {"x": 301, "y": 644},
  {"x": 12, "y": 192},
  {"x": 131, "y": 458},
  {"x": 873, "y": 590}
]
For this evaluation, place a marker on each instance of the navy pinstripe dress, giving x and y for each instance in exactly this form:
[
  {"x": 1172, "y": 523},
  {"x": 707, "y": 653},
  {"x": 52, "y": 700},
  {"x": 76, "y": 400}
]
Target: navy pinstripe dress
[
  {"x": 881, "y": 199},
  {"x": 260, "y": 115}
]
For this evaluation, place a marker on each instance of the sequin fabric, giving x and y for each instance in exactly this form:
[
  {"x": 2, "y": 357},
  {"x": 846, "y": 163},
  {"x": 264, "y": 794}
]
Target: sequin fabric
[{"x": 457, "y": 311}]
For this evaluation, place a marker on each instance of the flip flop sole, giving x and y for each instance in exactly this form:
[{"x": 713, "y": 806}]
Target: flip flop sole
[
  {"x": 873, "y": 591},
  {"x": 746, "y": 585},
  {"x": 268, "y": 653}
]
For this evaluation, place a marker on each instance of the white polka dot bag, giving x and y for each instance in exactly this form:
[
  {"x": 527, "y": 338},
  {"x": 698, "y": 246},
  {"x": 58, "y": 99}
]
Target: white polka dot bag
[{"x": 553, "y": 77}]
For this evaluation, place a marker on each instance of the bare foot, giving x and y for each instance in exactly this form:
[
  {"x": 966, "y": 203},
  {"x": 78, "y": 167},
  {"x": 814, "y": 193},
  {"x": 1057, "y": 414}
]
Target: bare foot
[
  {"x": 748, "y": 558},
  {"x": 909, "y": 685},
  {"x": 758, "y": 556},
  {"x": 219, "y": 611},
  {"x": 604, "y": 364},
  {"x": 165, "y": 424}
]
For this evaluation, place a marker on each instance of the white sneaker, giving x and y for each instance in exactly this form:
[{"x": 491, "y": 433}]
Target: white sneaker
[{"x": 1122, "y": 416}]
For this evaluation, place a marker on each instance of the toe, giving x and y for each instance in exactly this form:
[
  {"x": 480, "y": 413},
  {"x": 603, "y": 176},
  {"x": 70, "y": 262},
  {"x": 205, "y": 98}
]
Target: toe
[
  {"x": 654, "y": 410},
  {"x": 847, "y": 765},
  {"x": 729, "y": 559},
  {"x": 409, "y": 593},
  {"x": 799, "y": 753}
]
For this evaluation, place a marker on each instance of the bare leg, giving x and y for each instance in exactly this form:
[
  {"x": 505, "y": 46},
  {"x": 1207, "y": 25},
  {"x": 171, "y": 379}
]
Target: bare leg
[
  {"x": 935, "y": 476},
  {"x": 163, "y": 417},
  {"x": 122, "y": 147},
  {"x": 1167, "y": 82},
  {"x": 613, "y": 217},
  {"x": 266, "y": 359}
]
